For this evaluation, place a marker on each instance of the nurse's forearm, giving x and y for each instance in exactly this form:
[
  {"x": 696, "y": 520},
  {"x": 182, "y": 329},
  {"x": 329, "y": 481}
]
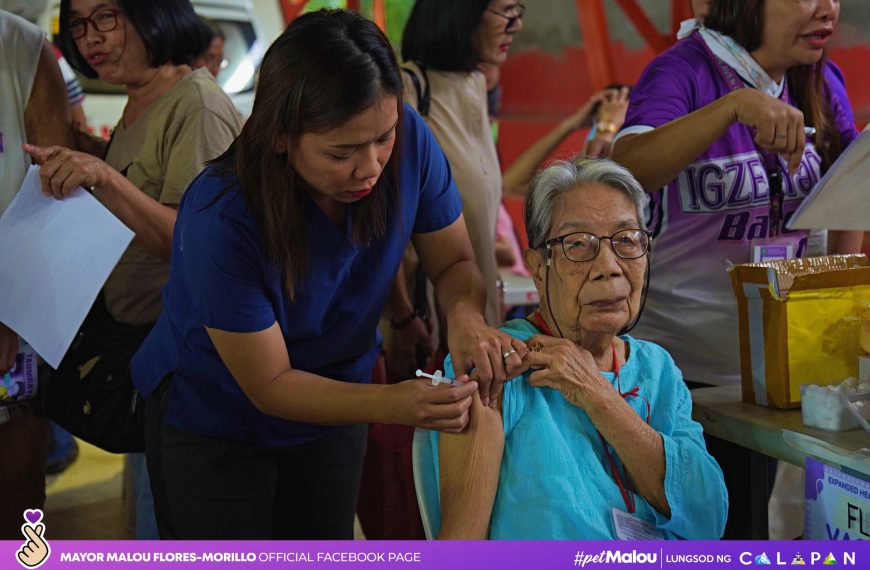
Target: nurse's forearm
[
  {"x": 658, "y": 156},
  {"x": 259, "y": 363},
  {"x": 460, "y": 290},
  {"x": 639, "y": 447},
  {"x": 304, "y": 397},
  {"x": 308, "y": 398}
]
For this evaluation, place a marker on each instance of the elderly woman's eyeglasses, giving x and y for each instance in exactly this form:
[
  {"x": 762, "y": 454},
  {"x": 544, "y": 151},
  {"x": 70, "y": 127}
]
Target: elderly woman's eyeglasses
[
  {"x": 102, "y": 21},
  {"x": 583, "y": 246},
  {"x": 515, "y": 13}
]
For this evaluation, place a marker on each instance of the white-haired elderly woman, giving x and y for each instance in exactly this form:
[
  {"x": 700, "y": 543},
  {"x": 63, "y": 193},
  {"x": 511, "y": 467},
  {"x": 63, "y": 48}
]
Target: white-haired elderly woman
[{"x": 596, "y": 439}]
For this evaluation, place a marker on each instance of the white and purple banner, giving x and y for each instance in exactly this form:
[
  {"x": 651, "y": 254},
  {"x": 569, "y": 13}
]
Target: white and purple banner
[{"x": 420, "y": 555}]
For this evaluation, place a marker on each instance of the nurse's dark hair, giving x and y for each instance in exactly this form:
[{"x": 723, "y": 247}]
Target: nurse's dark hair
[
  {"x": 327, "y": 67},
  {"x": 743, "y": 20},
  {"x": 170, "y": 30},
  {"x": 438, "y": 34}
]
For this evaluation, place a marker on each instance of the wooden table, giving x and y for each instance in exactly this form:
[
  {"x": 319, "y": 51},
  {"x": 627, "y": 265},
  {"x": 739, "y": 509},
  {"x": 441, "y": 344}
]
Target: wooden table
[{"x": 771, "y": 432}]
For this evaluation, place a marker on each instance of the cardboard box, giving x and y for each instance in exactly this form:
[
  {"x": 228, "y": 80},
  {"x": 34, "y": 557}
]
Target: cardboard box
[{"x": 799, "y": 324}]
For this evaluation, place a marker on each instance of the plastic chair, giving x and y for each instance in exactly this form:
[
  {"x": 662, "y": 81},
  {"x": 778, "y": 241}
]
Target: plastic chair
[{"x": 426, "y": 482}]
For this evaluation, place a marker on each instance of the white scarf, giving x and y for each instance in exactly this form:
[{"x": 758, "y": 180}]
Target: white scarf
[
  {"x": 687, "y": 27},
  {"x": 736, "y": 56}
]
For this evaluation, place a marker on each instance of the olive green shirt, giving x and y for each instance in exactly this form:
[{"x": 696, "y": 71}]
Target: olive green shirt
[{"x": 161, "y": 153}]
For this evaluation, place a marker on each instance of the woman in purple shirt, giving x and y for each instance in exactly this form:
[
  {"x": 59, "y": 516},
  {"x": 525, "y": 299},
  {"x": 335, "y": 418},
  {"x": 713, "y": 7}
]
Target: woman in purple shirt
[
  {"x": 719, "y": 109},
  {"x": 715, "y": 132}
]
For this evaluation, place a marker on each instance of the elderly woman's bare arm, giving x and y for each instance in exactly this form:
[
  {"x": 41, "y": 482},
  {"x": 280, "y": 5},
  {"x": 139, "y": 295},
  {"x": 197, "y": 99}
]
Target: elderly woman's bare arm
[{"x": 470, "y": 464}]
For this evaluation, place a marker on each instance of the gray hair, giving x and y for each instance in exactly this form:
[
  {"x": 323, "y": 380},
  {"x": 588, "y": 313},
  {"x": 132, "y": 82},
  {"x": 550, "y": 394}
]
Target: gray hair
[{"x": 565, "y": 175}]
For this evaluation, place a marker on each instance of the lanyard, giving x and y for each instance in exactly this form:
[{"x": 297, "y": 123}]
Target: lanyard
[
  {"x": 771, "y": 162},
  {"x": 625, "y": 488}
]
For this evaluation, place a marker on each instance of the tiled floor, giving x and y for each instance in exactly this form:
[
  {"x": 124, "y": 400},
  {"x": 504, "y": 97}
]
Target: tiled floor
[{"x": 86, "y": 500}]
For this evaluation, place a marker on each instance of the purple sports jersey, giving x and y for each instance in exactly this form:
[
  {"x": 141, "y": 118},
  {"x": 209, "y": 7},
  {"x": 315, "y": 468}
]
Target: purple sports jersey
[{"x": 704, "y": 220}]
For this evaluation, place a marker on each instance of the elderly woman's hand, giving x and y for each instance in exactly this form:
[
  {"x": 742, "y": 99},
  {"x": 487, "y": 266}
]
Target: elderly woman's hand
[
  {"x": 563, "y": 365},
  {"x": 494, "y": 355},
  {"x": 63, "y": 170}
]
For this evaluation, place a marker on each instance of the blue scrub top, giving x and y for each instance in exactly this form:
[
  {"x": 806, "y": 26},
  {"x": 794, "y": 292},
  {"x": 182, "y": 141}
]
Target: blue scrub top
[{"x": 220, "y": 278}]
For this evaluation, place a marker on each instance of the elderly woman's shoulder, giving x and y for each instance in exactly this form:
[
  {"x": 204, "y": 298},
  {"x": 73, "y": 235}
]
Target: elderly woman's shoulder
[
  {"x": 520, "y": 328},
  {"x": 649, "y": 353}
]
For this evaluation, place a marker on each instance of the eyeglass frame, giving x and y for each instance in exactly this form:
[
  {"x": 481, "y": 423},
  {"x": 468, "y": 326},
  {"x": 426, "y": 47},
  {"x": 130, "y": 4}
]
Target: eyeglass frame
[
  {"x": 88, "y": 20},
  {"x": 511, "y": 20},
  {"x": 561, "y": 241}
]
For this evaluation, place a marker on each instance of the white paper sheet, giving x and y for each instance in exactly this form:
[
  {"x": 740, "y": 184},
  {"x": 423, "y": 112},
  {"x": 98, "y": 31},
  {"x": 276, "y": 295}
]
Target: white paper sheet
[
  {"x": 841, "y": 200},
  {"x": 55, "y": 257}
]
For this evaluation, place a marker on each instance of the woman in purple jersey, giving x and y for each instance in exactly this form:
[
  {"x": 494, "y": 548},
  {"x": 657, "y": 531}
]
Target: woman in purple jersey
[
  {"x": 716, "y": 133},
  {"x": 726, "y": 111}
]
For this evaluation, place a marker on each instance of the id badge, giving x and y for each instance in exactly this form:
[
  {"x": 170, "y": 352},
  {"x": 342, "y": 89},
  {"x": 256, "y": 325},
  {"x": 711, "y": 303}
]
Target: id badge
[
  {"x": 780, "y": 247},
  {"x": 629, "y": 527}
]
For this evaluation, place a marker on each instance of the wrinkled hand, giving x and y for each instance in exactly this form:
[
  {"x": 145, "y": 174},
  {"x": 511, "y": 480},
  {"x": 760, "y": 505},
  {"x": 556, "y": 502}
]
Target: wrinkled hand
[
  {"x": 610, "y": 116},
  {"x": 8, "y": 348},
  {"x": 474, "y": 345},
  {"x": 565, "y": 366},
  {"x": 442, "y": 407},
  {"x": 779, "y": 127},
  {"x": 405, "y": 345},
  {"x": 63, "y": 170},
  {"x": 614, "y": 106},
  {"x": 35, "y": 550}
]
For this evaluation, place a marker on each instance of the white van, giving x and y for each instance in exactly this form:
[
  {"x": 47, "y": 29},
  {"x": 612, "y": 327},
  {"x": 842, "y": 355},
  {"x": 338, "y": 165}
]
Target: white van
[{"x": 244, "y": 45}]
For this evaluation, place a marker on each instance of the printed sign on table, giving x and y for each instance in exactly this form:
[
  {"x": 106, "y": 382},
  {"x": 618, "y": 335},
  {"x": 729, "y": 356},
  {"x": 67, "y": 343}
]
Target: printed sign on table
[{"x": 836, "y": 504}]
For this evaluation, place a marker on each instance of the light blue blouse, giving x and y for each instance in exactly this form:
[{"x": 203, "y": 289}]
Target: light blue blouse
[{"x": 555, "y": 480}]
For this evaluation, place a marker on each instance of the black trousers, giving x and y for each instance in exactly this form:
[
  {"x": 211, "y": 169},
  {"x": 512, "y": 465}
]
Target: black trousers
[
  {"x": 208, "y": 488},
  {"x": 155, "y": 409}
]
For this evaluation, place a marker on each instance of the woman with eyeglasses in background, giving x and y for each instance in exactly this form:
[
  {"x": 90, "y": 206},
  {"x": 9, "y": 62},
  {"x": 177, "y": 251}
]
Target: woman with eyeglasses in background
[
  {"x": 444, "y": 43},
  {"x": 174, "y": 121}
]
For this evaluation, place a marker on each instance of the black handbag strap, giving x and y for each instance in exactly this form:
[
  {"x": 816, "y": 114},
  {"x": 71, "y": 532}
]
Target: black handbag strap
[
  {"x": 424, "y": 97},
  {"x": 101, "y": 328}
]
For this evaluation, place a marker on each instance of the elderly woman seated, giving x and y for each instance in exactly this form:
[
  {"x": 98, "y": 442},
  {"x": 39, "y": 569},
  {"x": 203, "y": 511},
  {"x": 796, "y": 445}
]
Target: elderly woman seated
[{"x": 595, "y": 440}]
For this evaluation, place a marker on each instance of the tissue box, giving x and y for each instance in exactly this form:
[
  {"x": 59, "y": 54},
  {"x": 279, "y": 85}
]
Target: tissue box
[{"x": 798, "y": 325}]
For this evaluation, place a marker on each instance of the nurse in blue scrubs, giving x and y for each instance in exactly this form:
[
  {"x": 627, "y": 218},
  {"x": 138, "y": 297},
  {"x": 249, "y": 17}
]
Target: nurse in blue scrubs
[{"x": 257, "y": 375}]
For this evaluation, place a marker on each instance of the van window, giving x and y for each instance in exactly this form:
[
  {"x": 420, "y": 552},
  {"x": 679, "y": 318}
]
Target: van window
[
  {"x": 238, "y": 70},
  {"x": 241, "y": 61}
]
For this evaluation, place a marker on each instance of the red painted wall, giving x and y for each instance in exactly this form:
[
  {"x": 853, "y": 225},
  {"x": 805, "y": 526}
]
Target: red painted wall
[{"x": 540, "y": 88}]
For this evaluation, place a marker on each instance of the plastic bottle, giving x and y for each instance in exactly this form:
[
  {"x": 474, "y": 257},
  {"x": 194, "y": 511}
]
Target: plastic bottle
[{"x": 21, "y": 382}]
